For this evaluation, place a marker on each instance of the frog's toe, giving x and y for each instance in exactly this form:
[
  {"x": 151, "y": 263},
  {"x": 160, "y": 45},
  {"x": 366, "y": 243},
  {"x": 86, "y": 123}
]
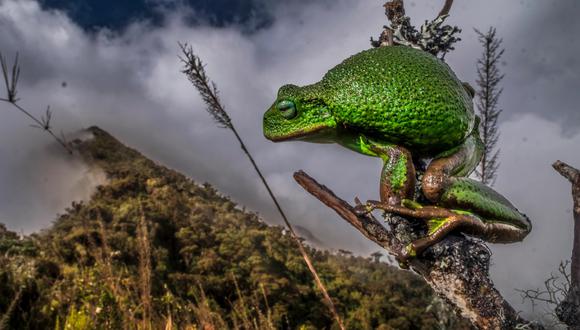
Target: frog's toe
[
  {"x": 435, "y": 224},
  {"x": 407, "y": 253},
  {"x": 368, "y": 207},
  {"x": 403, "y": 263},
  {"x": 410, "y": 251},
  {"x": 411, "y": 204},
  {"x": 362, "y": 209}
]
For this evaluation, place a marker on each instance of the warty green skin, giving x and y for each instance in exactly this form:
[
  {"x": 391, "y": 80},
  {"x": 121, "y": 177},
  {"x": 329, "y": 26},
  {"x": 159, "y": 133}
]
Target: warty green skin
[
  {"x": 398, "y": 95},
  {"x": 384, "y": 101}
]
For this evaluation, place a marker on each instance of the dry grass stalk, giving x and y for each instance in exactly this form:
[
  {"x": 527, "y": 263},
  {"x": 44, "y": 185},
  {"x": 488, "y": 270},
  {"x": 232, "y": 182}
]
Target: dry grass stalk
[
  {"x": 44, "y": 122},
  {"x": 102, "y": 254},
  {"x": 206, "y": 318},
  {"x": 144, "y": 250},
  {"x": 5, "y": 319},
  {"x": 244, "y": 312},
  {"x": 195, "y": 72}
]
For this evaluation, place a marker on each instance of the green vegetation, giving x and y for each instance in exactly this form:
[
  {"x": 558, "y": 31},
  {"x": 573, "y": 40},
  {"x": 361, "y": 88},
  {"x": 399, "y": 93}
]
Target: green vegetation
[{"x": 153, "y": 249}]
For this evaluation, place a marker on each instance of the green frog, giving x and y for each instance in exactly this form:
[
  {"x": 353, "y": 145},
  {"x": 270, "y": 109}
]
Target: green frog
[{"x": 402, "y": 105}]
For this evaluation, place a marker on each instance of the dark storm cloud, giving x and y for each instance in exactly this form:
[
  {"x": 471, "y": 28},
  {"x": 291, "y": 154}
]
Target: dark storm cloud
[
  {"x": 541, "y": 67},
  {"x": 117, "y": 15},
  {"x": 249, "y": 16},
  {"x": 543, "y": 62},
  {"x": 128, "y": 82}
]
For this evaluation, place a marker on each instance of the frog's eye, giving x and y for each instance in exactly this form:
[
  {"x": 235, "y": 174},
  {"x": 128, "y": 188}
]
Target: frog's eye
[{"x": 287, "y": 109}]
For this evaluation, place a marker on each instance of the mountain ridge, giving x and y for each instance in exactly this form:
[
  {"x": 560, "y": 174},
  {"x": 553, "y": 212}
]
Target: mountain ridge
[{"x": 152, "y": 247}]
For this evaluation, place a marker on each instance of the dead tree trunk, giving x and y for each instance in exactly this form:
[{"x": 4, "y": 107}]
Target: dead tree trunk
[
  {"x": 568, "y": 311},
  {"x": 457, "y": 268}
]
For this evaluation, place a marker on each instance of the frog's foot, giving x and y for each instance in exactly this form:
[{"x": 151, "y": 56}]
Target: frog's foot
[
  {"x": 468, "y": 223},
  {"x": 438, "y": 229},
  {"x": 411, "y": 204},
  {"x": 407, "y": 208},
  {"x": 442, "y": 221},
  {"x": 363, "y": 209},
  {"x": 407, "y": 253}
]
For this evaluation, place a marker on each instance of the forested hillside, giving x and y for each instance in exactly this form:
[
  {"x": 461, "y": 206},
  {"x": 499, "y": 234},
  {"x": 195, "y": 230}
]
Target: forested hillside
[{"x": 153, "y": 249}]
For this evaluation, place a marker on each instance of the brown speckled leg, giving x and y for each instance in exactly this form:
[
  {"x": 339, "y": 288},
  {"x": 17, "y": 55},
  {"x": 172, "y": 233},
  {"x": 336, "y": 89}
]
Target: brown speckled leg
[
  {"x": 491, "y": 231},
  {"x": 455, "y": 165},
  {"x": 461, "y": 203},
  {"x": 395, "y": 186},
  {"x": 445, "y": 184}
]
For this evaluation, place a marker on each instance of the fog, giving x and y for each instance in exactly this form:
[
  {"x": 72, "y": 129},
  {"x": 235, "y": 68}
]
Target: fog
[{"x": 129, "y": 83}]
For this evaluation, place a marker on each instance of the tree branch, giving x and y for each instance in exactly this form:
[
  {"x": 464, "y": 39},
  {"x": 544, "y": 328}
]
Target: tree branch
[
  {"x": 567, "y": 171},
  {"x": 568, "y": 311},
  {"x": 457, "y": 268},
  {"x": 573, "y": 175},
  {"x": 368, "y": 225}
]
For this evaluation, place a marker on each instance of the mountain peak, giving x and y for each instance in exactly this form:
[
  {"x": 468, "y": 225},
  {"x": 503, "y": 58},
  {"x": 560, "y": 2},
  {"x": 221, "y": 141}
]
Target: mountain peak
[{"x": 152, "y": 247}]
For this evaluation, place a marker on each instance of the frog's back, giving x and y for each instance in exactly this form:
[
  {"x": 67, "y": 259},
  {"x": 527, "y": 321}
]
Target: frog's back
[{"x": 403, "y": 95}]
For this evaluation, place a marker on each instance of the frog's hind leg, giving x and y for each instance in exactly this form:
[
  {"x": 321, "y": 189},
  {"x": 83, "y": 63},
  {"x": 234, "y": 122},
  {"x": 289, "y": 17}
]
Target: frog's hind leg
[
  {"x": 442, "y": 221},
  {"x": 445, "y": 184},
  {"x": 490, "y": 231}
]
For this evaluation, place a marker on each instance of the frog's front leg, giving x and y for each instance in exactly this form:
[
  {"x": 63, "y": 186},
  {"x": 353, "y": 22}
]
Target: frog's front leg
[{"x": 398, "y": 173}]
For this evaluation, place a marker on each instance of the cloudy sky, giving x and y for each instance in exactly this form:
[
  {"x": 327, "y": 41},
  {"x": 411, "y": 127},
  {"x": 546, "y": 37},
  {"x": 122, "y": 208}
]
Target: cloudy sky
[{"x": 121, "y": 70}]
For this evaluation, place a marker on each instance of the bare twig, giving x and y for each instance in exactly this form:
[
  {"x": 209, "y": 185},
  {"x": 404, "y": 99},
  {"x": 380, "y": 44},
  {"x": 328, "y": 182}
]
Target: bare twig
[
  {"x": 457, "y": 268},
  {"x": 395, "y": 12},
  {"x": 570, "y": 173},
  {"x": 12, "y": 308},
  {"x": 446, "y": 8},
  {"x": 573, "y": 175},
  {"x": 555, "y": 288},
  {"x": 568, "y": 311},
  {"x": 11, "y": 81},
  {"x": 195, "y": 72}
]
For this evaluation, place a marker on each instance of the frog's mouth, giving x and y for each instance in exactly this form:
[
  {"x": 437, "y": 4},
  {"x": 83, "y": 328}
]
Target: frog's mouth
[{"x": 317, "y": 134}]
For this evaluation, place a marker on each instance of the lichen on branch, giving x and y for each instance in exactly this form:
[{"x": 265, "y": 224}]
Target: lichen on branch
[{"x": 432, "y": 37}]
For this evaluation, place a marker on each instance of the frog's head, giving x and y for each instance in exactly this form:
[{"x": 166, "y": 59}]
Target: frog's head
[{"x": 298, "y": 113}]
